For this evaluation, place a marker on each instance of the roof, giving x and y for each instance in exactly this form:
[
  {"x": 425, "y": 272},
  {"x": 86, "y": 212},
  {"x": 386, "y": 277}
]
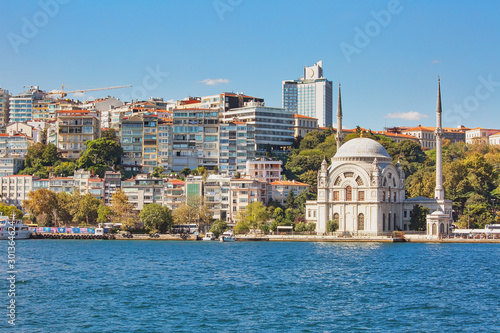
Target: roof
[
  {"x": 495, "y": 135},
  {"x": 485, "y": 129},
  {"x": 296, "y": 115},
  {"x": 420, "y": 128},
  {"x": 362, "y": 148},
  {"x": 389, "y": 134},
  {"x": 176, "y": 181},
  {"x": 289, "y": 183}
]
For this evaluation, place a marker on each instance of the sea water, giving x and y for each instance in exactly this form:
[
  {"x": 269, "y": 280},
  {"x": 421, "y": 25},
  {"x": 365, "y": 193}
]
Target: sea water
[{"x": 183, "y": 286}]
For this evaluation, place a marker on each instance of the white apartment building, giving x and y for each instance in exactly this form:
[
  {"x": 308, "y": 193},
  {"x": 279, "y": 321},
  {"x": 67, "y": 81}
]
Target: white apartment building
[
  {"x": 15, "y": 189},
  {"x": 479, "y": 135},
  {"x": 264, "y": 170}
]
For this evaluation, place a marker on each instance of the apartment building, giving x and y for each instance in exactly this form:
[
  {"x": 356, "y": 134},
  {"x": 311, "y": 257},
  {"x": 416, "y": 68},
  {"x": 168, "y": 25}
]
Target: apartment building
[
  {"x": 21, "y": 106},
  {"x": 281, "y": 189},
  {"x": 73, "y": 128},
  {"x": 236, "y": 146},
  {"x": 131, "y": 139},
  {"x": 227, "y": 101},
  {"x": 4, "y": 107},
  {"x": 165, "y": 143},
  {"x": 264, "y": 170},
  {"x": 398, "y": 137},
  {"x": 143, "y": 190},
  {"x": 245, "y": 191},
  {"x": 479, "y": 135},
  {"x": 174, "y": 193},
  {"x": 303, "y": 125},
  {"x": 195, "y": 140},
  {"x": 425, "y": 136},
  {"x": 11, "y": 165},
  {"x": 61, "y": 184},
  {"x": 217, "y": 192},
  {"x": 15, "y": 145},
  {"x": 150, "y": 143},
  {"x": 15, "y": 189},
  {"x": 274, "y": 127},
  {"x": 112, "y": 183}
]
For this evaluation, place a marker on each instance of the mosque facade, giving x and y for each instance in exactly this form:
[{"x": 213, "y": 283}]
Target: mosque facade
[{"x": 364, "y": 191}]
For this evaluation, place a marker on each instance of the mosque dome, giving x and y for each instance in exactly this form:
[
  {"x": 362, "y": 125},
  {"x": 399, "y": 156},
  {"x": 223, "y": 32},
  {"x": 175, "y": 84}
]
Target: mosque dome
[{"x": 362, "y": 149}]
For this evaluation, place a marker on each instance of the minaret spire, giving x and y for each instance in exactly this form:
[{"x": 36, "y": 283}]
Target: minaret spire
[
  {"x": 339, "y": 136},
  {"x": 439, "y": 191}
]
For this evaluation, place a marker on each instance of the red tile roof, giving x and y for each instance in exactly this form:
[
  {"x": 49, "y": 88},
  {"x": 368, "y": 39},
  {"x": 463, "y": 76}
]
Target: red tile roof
[{"x": 289, "y": 183}]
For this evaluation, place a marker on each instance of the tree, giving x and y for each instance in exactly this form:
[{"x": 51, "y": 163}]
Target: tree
[
  {"x": 186, "y": 171},
  {"x": 332, "y": 225},
  {"x": 290, "y": 200},
  {"x": 300, "y": 200},
  {"x": 241, "y": 227},
  {"x": 100, "y": 156},
  {"x": 194, "y": 210},
  {"x": 122, "y": 210},
  {"x": 7, "y": 211},
  {"x": 256, "y": 214},
  {"x": 418, "y": 218},
  {"x": 218, "y": 227},
  {"x": 237, "y": 175},
  {"x": 40, "y": 159},
  {"x": 104, "y": 214},
  {"x": 110, "y": 134},
  {"x": 85, "y": 209},
  {"x": 156, "y": 218},
  {"x": 41, "y": 203},
  {"x": 65, "y": 203},
  {"x": 157, "y": 172},
  {"x": 64, "y": 169}
]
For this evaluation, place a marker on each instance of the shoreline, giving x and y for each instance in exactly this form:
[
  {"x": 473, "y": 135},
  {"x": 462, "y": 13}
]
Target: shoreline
[{"x": 304, "y": 238}]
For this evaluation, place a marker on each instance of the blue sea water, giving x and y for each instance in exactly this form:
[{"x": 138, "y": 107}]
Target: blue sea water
[{"x": 175, "y": 286}]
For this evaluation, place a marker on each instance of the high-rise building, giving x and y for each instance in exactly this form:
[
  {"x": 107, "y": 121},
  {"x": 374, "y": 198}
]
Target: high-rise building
[
  {"x": 310, "y": 95},
  {"x": 4, "y": 107}
]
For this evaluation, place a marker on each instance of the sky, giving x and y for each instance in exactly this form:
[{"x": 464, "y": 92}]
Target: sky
[{"x": 386, "y": 54}]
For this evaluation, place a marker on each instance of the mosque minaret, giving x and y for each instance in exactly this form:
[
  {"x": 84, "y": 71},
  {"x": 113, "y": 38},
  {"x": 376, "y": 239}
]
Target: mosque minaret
[
  {"x": 339, "y": 136},
  {"x": 439, "y": 191}
]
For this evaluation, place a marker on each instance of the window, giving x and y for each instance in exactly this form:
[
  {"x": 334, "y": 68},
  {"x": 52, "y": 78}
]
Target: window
[
  {"x": 335, "y": 195},
  {"x": 361, "y": 221},
  {"x": 361, "y": 196},
  {"x": 359, "y": 181},
  {"x": 348, "y": 193},
  {"x": 394, "y": 197},
  {"x": 337, "y": 181},
  {"x": 336, "y": 217},
  {"x": 383, "y": 222},
  {"x": 383, "y": 196}
]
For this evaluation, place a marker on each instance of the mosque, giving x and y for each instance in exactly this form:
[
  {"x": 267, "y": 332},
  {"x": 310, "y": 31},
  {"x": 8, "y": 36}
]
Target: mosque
[{"x": 365, "y": 192}]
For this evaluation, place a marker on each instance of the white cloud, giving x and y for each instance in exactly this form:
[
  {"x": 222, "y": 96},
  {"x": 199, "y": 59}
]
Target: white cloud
[
  {"x": 410, "y": 115},
  {"x": 435, "y": 61},
  {"x": 213, "y": 82}
]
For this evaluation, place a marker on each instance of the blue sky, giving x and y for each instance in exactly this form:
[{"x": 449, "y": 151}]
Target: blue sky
[{"x": 253, "y": 45}]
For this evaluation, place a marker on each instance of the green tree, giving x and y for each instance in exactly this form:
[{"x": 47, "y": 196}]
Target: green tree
[
  {"x": 110, "y": 134},
  {"x": 100, "y": 155},
  {"x": 64, "y": 169},
  {"x": 65, "y": 203},
  {"x": 186, "y": 171},
  {"x": 256, "y": 214},
  {"x": 218, "y": 227},
  {"x": 104, "y": 214},
  {"x": 332, "y": 225},
  {"x": 418, "y": 218},
  {"x": 241, "y": 227},
  {"x": 156, "y": 218},
  {"x": 290, "y": 200},
  {"x": 85, "y": 209},
  {"x": 7, "y": 211},
  {"x": 157, "y": 172}
]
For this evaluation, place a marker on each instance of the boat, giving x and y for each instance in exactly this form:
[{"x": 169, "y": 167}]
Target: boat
[
  {"x": 209, "y": 236},
  {"x": 21, "y": 230},
  {"x": 227, "y": 236}
]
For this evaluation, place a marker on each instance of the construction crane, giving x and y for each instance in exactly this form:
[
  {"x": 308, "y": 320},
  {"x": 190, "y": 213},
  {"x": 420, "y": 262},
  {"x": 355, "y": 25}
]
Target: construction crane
[{"x": 65, "y": 93}]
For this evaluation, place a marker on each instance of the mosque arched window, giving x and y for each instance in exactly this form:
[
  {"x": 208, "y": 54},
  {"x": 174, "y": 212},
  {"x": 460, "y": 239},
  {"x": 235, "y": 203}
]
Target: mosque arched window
[
  {"x": 434, "y": 229},
  {"x": 385, "y": 182},
  {"x": 395, "y": 197},
  {"x": 383, "y": 222},
  {"x": 348, "y": 193},
  {"x": 383, "y": 196},
  {"x": 336, "y": 217},
  {"x": 361, "y": 221},
  {"x": 359, "y": 181},
  {"x": 335, "y": 195},
  {"x": 441, "y": 228},
  {"x": 394, "y": 182},
  {"x": 394, "y": 221},
  {"x": 338, "y": 180},
  {"x": 388, "y": 222},
  {"x": 361, "y": 195}
]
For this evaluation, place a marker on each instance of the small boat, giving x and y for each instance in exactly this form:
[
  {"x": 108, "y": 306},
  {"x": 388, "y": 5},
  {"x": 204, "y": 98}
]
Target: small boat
[
  {"x": 13, "y": 229},
  {"x": 209, "y": 236},
  {"x": 227, "y": 236}
]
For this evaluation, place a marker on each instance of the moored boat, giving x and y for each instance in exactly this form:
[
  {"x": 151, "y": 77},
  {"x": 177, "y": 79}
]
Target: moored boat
[
  {"x": 227, "y": 236},
  {"x": 209, "y": 236},
  {"x": 13, "y": 228}
]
